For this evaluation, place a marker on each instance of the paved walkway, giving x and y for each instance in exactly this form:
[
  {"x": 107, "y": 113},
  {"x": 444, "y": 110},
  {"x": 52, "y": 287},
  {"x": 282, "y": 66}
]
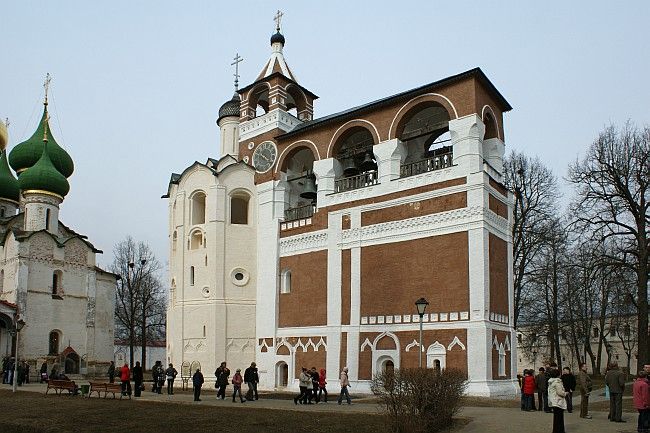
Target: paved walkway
[{"x": 483, "y": 419}]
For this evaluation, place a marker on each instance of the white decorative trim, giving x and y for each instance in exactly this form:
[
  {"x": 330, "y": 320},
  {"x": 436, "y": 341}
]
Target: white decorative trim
[
  {"x": 443, "y": 317},
  {"x": 464, "y": 315},
  {"x": 507, "y": 344},
  {"x": 365, "y": 344},
  {"x": 344, "y": 126},
  {"x": 412, "y": 345},
  {"x": 364, "y": 320},
  {"x": 453, "y": 316},
  {"x": 302, "y": 243},
  {"x": 274, "y": 119},
  {"x": 455, "y": 342}
]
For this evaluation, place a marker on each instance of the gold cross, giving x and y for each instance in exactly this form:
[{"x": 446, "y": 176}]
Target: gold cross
[
  {"x": 237, "y": 60},
  {"x": 277, "y": 18},
  {"x": 46, "y": 85}
]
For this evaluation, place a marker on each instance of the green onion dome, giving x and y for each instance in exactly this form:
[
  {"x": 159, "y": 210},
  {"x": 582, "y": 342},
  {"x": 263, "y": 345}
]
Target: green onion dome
[
  {"x": 25, "y": 154},
  {"x": 44, "y": 176},
  {"x": 9, "y": 189}
]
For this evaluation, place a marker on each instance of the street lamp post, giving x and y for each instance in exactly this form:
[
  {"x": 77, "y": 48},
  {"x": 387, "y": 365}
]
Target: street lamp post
[
  {"x": 421, "y": 305},
  {"x": 18, "y": 325}
]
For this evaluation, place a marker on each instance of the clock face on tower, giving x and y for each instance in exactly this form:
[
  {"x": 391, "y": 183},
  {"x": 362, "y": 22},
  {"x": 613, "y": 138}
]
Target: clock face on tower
[{"x": 264, "y": 156}]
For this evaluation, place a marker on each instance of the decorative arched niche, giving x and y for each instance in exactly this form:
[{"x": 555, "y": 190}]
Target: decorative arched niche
[{"x": 437, "y": 356}]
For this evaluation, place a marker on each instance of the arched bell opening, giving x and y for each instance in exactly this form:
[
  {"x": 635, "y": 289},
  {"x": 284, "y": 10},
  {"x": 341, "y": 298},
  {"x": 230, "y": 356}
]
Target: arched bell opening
[
  {"x": 258, "y": 100},
  {"x": 301, "y": 192},
  {"x": 354, "y": 152},
  {"x": 424, "y": 130},
  {"x": 296, "y": 102}
]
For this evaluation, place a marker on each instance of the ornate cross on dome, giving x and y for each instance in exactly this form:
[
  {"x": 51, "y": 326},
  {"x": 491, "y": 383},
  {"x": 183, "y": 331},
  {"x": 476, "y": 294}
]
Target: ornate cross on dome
[
  {"x": 237, "y": 60},
  {"x": 46, "y": 85},
  {"x": 277, "y": 18}
]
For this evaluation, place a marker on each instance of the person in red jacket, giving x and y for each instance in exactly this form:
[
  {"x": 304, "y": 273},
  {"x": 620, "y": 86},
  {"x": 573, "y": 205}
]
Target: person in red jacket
[
  {"x": 528, "y": 388},
  {"x": 322, "y": 385},
  {"x": 237, "y": 380},
  {"x": 641, "y": 394},
  {"x": 125, "y": 377}
]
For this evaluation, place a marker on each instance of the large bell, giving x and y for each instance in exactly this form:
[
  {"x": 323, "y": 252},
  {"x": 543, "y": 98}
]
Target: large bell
[
  {"x": 309, "y": 191},
  {"x": 349, "y": 169},
  {"x": 368, "y": 164}
]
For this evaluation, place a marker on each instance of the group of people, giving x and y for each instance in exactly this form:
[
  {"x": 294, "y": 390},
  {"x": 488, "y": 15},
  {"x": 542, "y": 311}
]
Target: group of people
[
  {"x": 9, "y": 369},
  {"x": 313, "y": 385},
  {"x": 158, "y": 373},
  {"x": 222, "y": 376},
  {"x": 555, "y": 391}
]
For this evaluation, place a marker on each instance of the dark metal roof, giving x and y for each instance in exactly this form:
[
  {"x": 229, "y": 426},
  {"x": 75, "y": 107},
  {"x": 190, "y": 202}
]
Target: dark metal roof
[
  {"x": 230, "y": 108},
  {"x": 472, "y": 73},
  {"x": 277, "y": 37}
]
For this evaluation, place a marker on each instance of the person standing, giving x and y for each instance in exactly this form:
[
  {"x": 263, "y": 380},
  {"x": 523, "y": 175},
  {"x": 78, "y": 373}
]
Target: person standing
[
  {"x": 315, "y": 378},
  {"x": 528, "y": 390},
  {"x": 584, "y": 386},
  {"x": 615, "y": 380},
  {"x": 304, "y": 383},
  {"x": 322, "y": 385},
  {"x": 111, "y": 372},
  {"x": 138, "y": 378},
  {"x": 556, "y": 399},
  {"x": 43, "y": 372},
  {"x": 125, "y": 377},
  {"x": 541, "y": 384},
  {"x": 252, "y": 378},
  {"x": 170, "y": 373},
  {"x": 197, "y": 383},
  {"x": 569, "y": 382},
  {"x": 158, "y": 376},
  {"x": 237, "y": 380},
  {"x": 222, "y": 373},
  {"x": 345, "y": 382},
  {"x": 641, "y": 395}
]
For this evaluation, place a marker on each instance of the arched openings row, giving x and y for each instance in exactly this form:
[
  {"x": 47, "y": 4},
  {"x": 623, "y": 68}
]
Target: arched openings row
[
  {"x": 353, "y": 150},
  {"x": 259, "y": 101}
]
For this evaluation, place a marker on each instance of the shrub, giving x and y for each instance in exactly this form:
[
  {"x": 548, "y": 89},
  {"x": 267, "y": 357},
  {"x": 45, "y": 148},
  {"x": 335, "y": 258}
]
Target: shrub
[{"x": 420, "y": 400}]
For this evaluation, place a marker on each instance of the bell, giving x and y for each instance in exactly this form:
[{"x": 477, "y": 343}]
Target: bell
[
  {"x": 349, "y": 169},
  {"x": 309, "y": 191},
  {"x": 368, "y": 164}
]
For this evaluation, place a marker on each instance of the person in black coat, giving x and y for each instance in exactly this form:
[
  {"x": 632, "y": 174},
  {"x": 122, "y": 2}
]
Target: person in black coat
[
  {"x": 222, "y": 373},
  {"x": 111, "y": 372},
  {"x": 138, "y": 378},
  {"x": 315, "y": 379},
  {"x": 569, "y": 382},
  {"x": 252, "y": 378},
  {"x": 197, "y": 383}
]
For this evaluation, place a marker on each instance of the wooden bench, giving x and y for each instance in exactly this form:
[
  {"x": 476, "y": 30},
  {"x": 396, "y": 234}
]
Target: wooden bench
[
  {"x": 106, "y": 388},
  {"x": 113, "y": 388},
  {"x": 97, "y": 387},
  {"x": 59, "y": 385}
]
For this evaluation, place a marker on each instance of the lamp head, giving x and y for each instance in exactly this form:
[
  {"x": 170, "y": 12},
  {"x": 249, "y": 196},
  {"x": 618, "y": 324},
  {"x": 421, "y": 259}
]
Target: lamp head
[{"x": 421, "y": 305}]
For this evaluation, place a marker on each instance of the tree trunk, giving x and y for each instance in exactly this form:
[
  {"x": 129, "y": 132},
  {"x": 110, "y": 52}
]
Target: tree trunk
[{"x": 642, "y": 327}]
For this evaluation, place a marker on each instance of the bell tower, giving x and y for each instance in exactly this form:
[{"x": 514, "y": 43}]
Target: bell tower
[{"x": 276, "y": 87}]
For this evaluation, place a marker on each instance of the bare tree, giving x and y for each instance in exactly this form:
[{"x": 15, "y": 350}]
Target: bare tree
[
  {"x": 536, "y": 194},
  {"x": 139, "y": 294},
  {"x": 613, "y": 183}
]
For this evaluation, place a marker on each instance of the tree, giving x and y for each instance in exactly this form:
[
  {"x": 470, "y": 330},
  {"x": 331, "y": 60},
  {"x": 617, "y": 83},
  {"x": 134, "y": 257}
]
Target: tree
[
  {"x": 536, "y": 195},
  {"x": 613, "y": 183},
  {"x": 139, "y": 298}
]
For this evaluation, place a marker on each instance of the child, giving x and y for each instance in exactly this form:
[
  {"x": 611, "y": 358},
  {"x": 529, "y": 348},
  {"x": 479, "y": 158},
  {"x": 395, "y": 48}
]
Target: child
[{"x": 237, "y": 380}]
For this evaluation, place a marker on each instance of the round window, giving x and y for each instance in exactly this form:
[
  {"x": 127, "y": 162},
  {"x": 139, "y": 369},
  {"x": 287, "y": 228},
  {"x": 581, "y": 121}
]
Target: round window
[
  {"x": 205, "y": 292},
  {"x": 239, "y": 276}
]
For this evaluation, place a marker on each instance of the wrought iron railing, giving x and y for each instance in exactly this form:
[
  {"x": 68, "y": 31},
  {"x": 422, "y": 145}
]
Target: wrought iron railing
[
  {"x": 299, "y": 213},
  {"x": 436, "y": 162},
  {"x": 362, "y": 180}
]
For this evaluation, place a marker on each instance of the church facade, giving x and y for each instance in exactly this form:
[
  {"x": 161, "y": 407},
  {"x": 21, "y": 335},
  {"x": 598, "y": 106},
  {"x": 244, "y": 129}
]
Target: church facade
[
  {"x": 48, "y": 274},
  {"x": 308, "y": 242}
]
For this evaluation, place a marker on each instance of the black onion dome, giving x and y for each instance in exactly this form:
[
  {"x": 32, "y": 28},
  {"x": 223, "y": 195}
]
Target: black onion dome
[
  {"x": 230, "y": 108},
  {"x": 277, "y": 37}
]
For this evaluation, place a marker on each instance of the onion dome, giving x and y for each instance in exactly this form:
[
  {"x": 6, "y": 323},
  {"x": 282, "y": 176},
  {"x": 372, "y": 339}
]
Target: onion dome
[
  {"x": 44, "y": 176},
  {"x": 25, "y": 154},
  {"x": 9, "y": 189},
  {"x": 4, "y": 136},
  {"x": 230, "y": 108},
  {"x": 277, "y": 37}
]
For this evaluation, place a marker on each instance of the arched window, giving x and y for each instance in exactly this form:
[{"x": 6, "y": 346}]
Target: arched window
[
  {"x": 258, "y": 99},
  {"x": 300, "y": 196},
  {"x": 2, "y": 212},
  {"x": 491, "y": 130},
  {"x": 425, "y": 133},
  {"x": 198, "y": 208},
  {"x": 54, "y": 339},
  {"x": 191, "y": 275},
  {"x": 2, "y": 280},
  {"x": 196, "y": 239},
  {"x": 502, "y": 361},
  {"x": 174, "y": 240},
  {"x": 354, "y": 151},
  {"x": 285, "y": 281},
  {"x": 47, "y": 219},
  {"x": 57, "y": 284},
  {"x": 239, "y": 209}
]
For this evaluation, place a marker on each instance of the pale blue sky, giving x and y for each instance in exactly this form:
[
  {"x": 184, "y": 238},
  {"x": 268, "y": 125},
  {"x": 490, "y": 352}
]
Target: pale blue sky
[{"x": 137, "y": 85}]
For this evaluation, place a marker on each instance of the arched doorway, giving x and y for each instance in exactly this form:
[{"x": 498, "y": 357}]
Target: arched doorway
[
  {"x": 71, "y": 363},
  {"x": 281, "y": 374},
  {"x": 389, "y": 366}
]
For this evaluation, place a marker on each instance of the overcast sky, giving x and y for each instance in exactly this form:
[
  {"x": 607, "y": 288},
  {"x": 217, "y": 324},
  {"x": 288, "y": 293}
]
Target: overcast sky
[{"x": 137, "y": 85}]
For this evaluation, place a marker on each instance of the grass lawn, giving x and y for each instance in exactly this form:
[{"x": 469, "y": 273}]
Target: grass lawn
[{"x": 27, "y": 412}]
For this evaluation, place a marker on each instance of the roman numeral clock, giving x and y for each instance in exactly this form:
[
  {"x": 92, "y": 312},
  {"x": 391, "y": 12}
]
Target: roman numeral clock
[{"x": 264, "y": 156}]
